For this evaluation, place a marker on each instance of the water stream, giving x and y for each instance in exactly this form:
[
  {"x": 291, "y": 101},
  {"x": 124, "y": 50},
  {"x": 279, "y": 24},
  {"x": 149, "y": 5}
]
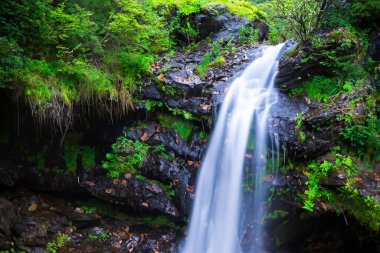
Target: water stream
[{"x": 218, "y": 220}]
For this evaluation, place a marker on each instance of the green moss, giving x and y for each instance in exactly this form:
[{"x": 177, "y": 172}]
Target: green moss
[
  {"x": 88, "y": 157},
  {"x": 202, "y": 67},
  {"x": 276, "y": 214},
  {"x": 219, "y": 61},
  {"x": 70, "y": 156},
  {"x": 54, "y": 245},
  {"x": 182, "y": 126},
  {"x": 365, "y": 209},
  {"x": 4, "y": 137},
  {"x": 167, "y": 188},
  {"x": 126, "y": 156},
  {"x": 247, "y": 35}
]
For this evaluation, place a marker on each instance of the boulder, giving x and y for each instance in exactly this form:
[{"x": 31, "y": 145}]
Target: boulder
[{"x": 8, "y": 219}]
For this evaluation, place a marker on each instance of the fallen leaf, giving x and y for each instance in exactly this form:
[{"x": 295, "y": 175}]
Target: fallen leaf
[
  {"x": 108, "y": 191},
  {"x": 198, "y": 165},
  {"x": 324, "y": 206},
  {"x": 161, "y": 78},
  {"x": 145, "y": 137},
  {"x": 190, "y": 188},
  {"x": 190, "y": 162},
  {"x": 116, "y": 244},
  {"x": 33, "y": 207},
  {"x": 124, "y": 183},
  {"x": 115, "y": 182},
  {"x": 205, "y": 106},
  {"x": 359, "y": 181}
]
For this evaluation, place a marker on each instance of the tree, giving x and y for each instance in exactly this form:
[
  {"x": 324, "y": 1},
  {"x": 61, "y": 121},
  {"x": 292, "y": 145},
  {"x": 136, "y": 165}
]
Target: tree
[{"x": 301, "y": 17}]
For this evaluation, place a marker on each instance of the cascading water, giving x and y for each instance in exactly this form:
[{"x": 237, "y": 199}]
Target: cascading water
[{"x": 217, "y": 219}]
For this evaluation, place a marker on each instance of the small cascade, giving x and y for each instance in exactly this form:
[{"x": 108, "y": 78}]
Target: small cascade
[{"x": 220, "y": 217}]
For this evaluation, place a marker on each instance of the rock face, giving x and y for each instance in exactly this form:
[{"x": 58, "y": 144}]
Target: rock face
[
  {"x": 217, "y": 20},
  {"x": 306, "y": 60},
  {"x": 41, "y": 220},
  {"x": 7, "y": 219}
]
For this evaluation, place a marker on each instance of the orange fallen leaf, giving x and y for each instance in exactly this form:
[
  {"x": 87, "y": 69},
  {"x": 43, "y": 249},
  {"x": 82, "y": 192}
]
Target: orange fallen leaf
[
  {"x": 33, "y": 207},
  {"x": 161, "y": 78},
  {"x": 190, "y": 188},
  {"x": 359, "y": 181},
  {"x": 145, "y": 137},
  {"x": 205, "y": 106}
]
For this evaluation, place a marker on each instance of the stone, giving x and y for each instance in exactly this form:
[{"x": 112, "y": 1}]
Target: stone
[{"x": 8, "y": 218}]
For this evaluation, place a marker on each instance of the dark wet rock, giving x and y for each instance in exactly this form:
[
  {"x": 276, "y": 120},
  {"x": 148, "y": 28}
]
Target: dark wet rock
[
  {"x": 7, "y": 175},
  {"x": 33, "y": 235},
  {"x": 196, "y": 106},
  {"x": 158, "y": 135},
  {"x": 82, "y": 220},
  {"x": 373, "y": 50},
  {"x": 178, "y": 176},
  {"x": 214, "y": 19},
  {"x": 153, "y": 92},
  {"x": 231, "y": 26},
  {"x": 8, "y": 218},
  {"x": 263, "y": 28},
  {"x": 185, "y": 81},
  {"x": 131, "y": 192},
  {"x": 319, "y": 124},
  {"x": 298, "y": 66},
  {"x": 50, "y": 182}
]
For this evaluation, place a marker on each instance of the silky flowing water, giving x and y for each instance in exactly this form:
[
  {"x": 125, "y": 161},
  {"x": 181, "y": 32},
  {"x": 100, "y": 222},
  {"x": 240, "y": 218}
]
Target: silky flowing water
[{"x": 221, "y": 213}]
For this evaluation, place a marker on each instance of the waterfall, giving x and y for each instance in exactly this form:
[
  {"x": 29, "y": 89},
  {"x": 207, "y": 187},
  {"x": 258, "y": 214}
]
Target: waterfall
[{"x": 217, "y": 223}]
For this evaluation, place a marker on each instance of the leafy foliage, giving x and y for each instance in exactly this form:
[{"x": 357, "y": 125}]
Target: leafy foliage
[
  {"x": 319, "y": 171},
  {"x": 58, "y": 242},
  {"x": 126, "y": 157},
  {"x": 182, "y": 126}
]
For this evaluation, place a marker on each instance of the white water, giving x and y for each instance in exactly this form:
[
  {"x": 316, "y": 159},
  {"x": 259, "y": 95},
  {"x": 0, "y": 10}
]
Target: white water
[{"x": 216, "y": 222}]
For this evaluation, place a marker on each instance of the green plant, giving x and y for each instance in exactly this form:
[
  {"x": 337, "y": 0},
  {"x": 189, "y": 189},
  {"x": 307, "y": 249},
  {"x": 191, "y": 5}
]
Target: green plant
[
  {"x": 301, "y": 18},
  {"x": 302, "y": 136},
  {"x": 363, "y": 135},
  {"x": 88, "y": 157},
  {"x": 219, "y": 61},
  {"x": 151, "y": 104},
  {"x": 57, "y": 243},
  {"x": 182, "y": 126},
  {"x": 4, "y": 137},
  {"x": 87, "y": 209},
  {"x": 247, "y": 35},
  {"x": 159, "y": 149},
  {"x": 213, "y": 54},
  {"x": 276, "y": 214},
  {"x": 316, "y": 172},
  {"x": 101, "y": 236},
  {"x": 12, "y": 249},
  {"x": 299, "y": 120},
  {"x": 126, "y": 157}
]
